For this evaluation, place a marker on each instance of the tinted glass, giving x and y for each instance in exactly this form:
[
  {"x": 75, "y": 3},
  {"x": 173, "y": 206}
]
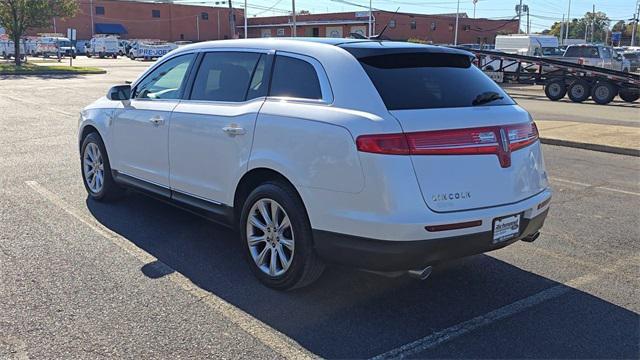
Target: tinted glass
[
  {"x": 165, "y": 82},
  {"x": 428, "y": 80},
  {"x": 582, "y": 51},
  {"x": 295, "y": 78},
  {"x": 227, "y": 76}
]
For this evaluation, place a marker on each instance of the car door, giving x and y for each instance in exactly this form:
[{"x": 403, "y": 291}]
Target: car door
[
  {"x": 141, "y": 126},
  {"x": 211, "y": 131}
]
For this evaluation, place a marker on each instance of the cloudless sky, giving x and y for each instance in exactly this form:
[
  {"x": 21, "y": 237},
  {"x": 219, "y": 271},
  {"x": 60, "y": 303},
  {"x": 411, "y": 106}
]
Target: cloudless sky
[{"x": 543, "y": 12}]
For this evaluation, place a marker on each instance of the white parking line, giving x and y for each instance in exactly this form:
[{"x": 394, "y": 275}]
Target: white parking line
[
  {"x": 595, "y": 186},
  {"x": 278, "y": 342},
  {"x": 453, "y": 332}
]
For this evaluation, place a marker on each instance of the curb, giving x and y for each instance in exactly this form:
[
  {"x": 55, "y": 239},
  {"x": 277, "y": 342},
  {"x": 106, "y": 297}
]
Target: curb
[
  {"x": 592, "y": 147},
  {"x": 40, "y": 73}
]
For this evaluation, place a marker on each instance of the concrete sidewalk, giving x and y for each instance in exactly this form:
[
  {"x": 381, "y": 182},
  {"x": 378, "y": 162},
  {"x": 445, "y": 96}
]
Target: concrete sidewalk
[{"x": 607, "y": 138}]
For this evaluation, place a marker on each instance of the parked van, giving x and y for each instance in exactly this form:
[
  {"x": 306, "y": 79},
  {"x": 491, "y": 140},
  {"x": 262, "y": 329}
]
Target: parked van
[{"x": 103, "y": 46}]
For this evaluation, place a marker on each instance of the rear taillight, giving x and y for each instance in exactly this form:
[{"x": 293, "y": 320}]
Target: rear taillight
[{"x": 498, "y": 140}]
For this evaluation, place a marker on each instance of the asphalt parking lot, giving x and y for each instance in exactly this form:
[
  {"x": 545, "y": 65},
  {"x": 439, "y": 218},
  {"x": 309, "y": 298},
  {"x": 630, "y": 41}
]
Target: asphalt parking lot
[{"x": 139, "y": 278}]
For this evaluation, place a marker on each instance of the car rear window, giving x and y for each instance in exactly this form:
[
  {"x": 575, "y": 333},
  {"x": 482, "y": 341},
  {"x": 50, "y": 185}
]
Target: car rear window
[
  {"x": 430, "y": 80},
  {"x": 582, "y": 51}
]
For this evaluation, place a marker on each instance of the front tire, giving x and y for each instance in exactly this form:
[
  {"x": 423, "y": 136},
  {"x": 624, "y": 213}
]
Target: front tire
[
  {"x": 96, "y": 170},
  {"x": 277, "y": 238}
]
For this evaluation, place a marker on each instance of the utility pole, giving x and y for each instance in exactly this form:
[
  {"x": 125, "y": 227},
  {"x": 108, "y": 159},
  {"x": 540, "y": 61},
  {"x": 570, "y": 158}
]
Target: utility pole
[
  {"x": 198, "y": 26},
  {"x": 520, "y": 17},
  {"x": 370, "y": 18},
  {"x": 562, "y": 31},
  {"x": 528, "y": 23},
  {"x": 593, "y": 22},
  {"x": 293, "y": 7},
  {"x": 568, "y": 19},
  {"x": 455, "y": 39},
  {"x": 245, "y": 19},
  {"x": 232, "y": 21},
  {"x": 635, "y": 23},
  {"x": 91, "y": 12}
]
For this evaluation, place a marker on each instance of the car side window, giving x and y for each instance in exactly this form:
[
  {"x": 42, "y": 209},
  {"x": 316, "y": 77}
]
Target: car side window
[
  {"x": 230, "y": 77},
  {"x": 294, "y": 78},
  {"x": 166, "y": 81}
]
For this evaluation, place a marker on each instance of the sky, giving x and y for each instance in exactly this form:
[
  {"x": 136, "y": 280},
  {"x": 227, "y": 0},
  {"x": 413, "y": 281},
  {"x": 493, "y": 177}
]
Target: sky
[{"x": 543, "y": 12}]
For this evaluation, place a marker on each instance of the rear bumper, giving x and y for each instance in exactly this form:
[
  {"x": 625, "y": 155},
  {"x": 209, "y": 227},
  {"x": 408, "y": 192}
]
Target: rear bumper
[{"x": 384, "y": 255}]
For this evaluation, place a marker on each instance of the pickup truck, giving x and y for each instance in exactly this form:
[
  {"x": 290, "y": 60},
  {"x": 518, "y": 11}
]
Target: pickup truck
[{"x": 596, "y": 55}]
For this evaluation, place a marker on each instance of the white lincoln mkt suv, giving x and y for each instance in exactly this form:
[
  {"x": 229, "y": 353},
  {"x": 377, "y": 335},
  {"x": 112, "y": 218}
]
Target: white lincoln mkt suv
[{"x": 384, "y": 156}]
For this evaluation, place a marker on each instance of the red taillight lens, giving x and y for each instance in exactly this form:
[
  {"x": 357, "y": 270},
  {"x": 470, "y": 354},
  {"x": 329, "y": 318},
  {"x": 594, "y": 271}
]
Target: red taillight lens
[
  {"x": 454, "y": 142},
  {"x": 522, "y": 135},
  {"x": 499, "y": 140},
  {"x": 393, "y": 144}
]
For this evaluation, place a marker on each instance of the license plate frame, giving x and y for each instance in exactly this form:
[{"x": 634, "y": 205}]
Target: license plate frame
[{"x": 509, "y": 233}]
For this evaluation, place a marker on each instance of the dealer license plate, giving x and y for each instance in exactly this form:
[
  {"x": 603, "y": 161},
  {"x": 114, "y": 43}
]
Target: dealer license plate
[{"x": 506, "y": 228}]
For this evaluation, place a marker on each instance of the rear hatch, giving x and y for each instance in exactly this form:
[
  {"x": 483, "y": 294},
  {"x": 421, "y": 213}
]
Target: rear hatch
[{"x": 470, "y": 145}]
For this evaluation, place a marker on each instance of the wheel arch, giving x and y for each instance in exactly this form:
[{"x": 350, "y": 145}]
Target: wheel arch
[
  {"x": 252, "y": 179},
  {"x": 86, "y": 130}
]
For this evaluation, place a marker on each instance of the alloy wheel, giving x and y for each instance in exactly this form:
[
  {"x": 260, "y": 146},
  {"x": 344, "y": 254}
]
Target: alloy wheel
[
  {"x": 270, "y": 237},
  {"x": 93, "y": 167}
]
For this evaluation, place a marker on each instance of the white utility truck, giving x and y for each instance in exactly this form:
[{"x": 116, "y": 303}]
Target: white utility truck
[
  {"x": 150, "y": 49},
  {"x": 102, "y": 46}
]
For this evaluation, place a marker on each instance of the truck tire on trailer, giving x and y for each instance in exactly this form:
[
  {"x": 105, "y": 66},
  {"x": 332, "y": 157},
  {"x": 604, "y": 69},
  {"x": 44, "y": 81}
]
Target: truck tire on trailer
[
  {"x": 579, "y": 91},
  {"x": 555, "y": 89},
  {"x": 115, "y": 56},
  {"x": 629, "y": 95},
  {"x": 603, "y": 92}
]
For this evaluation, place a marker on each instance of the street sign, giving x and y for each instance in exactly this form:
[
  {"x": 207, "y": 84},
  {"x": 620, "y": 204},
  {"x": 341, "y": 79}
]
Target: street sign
[{"x": 615, "y": 36}]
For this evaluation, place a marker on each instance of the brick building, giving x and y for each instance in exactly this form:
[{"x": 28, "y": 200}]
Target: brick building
[
  {"x": 148, "y": 20},
  {"x": 402, "y": 26},
  {"x": 170, "y": 21}
]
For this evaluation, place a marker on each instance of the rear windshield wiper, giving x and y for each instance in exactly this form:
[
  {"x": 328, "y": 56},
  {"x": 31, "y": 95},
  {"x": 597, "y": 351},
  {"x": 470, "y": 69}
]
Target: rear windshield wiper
[{"x": 486, "y": 97}]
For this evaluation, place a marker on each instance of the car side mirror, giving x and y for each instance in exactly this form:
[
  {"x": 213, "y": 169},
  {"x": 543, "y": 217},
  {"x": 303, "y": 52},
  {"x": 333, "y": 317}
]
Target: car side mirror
[{"x": 119, "y": 93}]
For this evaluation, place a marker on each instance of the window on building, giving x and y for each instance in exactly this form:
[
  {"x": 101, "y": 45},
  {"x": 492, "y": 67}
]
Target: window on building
[
  {"x": 433, "y": 26},
  {"x": 295, "y": 78},
  {"x": 230, "y": 77},
  {"x": 280, "y": 32},
  {"x": 204, "y": 16},
  {"x": 392, "y": 24},
  {"x": 99, "y": 10},
  {"x": 466, "y": 27},
  {"x": 155, "y": 13},
  {"x": 316, "y": 32},
  {"x": 413, "y": 24}
]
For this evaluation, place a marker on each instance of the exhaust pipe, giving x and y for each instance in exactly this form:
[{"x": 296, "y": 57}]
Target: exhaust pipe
[
  {"x": 420, "y": 274},
  {"x": 531, "y": 238}
]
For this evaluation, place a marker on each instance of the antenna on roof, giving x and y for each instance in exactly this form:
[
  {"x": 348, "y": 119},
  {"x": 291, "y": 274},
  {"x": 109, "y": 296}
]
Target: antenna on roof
[{"x": 379, "y": 36}]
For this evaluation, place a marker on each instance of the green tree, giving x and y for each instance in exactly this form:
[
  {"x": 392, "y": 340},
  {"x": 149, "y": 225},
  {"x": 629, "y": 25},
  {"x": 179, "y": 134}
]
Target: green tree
[
  {"x": 18, "y": 16},
  {"x": 577, "y": 27}
]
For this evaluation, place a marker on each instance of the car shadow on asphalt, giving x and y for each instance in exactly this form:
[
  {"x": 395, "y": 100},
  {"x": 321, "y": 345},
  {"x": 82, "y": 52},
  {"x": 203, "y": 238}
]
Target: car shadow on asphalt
[{"x": 353, "y": 314}]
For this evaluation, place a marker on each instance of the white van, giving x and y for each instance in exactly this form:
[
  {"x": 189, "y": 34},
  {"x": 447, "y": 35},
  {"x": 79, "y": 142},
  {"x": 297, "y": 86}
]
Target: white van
[
  {"x": 531, "y": 45},
  {"x": 103, "y": 46}
]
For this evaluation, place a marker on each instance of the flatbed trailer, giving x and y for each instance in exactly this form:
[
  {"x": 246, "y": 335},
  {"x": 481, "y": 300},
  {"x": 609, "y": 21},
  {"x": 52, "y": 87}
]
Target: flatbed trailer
[{"x": 561, "y": 78}]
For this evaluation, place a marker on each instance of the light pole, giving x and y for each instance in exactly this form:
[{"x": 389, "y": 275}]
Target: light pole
[
  {"x": 455, "y": 38},
  {"x": 293, "y": 7},
  {"x": 520, "y": 17},
  {"x": 91, "y": 12},
  {"x": 635, "y": 23},
  {"x": 245, "y": 19},
  {"x": 370, "y": 18},
  {"x": 568, "y": 20}
]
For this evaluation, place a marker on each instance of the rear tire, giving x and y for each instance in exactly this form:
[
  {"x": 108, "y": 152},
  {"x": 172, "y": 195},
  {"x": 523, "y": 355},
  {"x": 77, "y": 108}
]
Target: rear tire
[
  {"x": 281, "y": 256},
  {"x": 629, "y": 95},
  {"x": 555, "y": 89},
  {"x": 579, "y": 91},
  {"x": 603, "y": 92},
  {"x": 96, "y": 169}
]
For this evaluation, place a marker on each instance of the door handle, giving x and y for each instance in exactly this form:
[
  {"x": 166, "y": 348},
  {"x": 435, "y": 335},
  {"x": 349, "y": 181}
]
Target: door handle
[
  {"x": 233, "y": 130},
  {"x": 157, "y": 120}
]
